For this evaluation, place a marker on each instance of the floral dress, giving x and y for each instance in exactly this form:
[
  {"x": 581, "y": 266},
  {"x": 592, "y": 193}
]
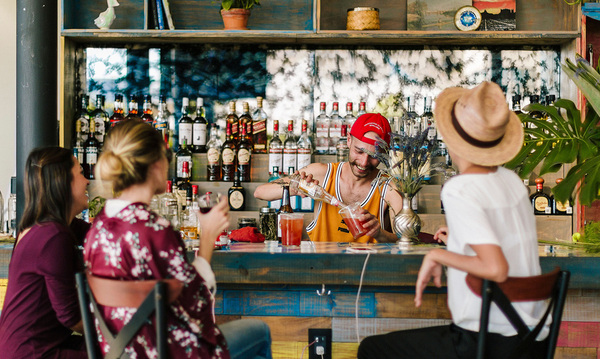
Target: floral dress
[{"x": 137, "y": 244}]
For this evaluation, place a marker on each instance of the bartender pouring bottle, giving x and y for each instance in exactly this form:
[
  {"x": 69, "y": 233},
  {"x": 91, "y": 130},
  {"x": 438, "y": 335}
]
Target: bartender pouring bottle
[{"x": 354, "y": 181}]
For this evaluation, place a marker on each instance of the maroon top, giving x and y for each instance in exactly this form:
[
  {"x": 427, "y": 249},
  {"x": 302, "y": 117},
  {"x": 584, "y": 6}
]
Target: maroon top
[
  {"x": 41, "y": 300},
  {"x": 137, "y": 244}
]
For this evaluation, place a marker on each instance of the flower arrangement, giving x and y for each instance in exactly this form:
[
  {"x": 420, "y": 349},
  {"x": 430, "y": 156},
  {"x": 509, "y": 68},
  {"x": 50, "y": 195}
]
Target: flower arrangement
[{"x": 406, "y": 161}]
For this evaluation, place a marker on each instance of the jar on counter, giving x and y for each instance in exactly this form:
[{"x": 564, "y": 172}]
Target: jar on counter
[
  {"x": 267, "y": 223},
  {"x": 246, "y": 222}
]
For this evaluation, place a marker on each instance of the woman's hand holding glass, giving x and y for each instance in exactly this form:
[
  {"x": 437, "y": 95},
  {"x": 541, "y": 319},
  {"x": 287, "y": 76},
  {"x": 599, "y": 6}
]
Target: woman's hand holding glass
[{"x": 212, "y": 223}]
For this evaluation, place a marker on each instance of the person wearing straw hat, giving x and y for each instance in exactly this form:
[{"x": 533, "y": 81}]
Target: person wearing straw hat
[{"x": 491, "y": 231}]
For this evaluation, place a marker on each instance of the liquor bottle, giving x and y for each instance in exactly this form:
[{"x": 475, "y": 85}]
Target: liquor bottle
[
  {"x": 83, "y": 115},
  {"x": 361, "y": 109},
  {"x": 244, "y": 155},
  {"x": 199, "y": 128},
  {"x": 228, "y": 155},
  {"x": 541, "y": 202},
  {"x": 561, "y": 208},
  {"x": 183, "y": 155},
  {"x": 259, "y": 127},
  {"x": 117, "y": 115},
  {"x": 349, "y": 118},
  {"x": 245, "y": 121},
  {"x": 169, "y": 207},
  {"x": 516, "y": 105},
  {"x": 322, "y": 132},
  {"x": 410, "y": 119},
  {"x": 335, "y": 128},
  {"x": 233, "y": 119},
  {"x": 12, "y": 208},
  {"x": 172, "y": 125},
  {"x": 100, "y": 117},
  {"x": 290, "y": 149},
  {"x": 427, "y": 121},
  {"x": 132, "y": 108},
  {"x": 274, "y": 177},
  {"x": 147, "y": 110},
  {"x": 92, "y": 147},
  {"x": 341, "y": 149},
  {"x": 285, "y": 208},
  {"x": 189, "y": 220},
  {"x": 275, "y": 149},
  {"x": 162, "y": 118},
  {"x": 184, "y": 183},
  {"x": 237, "y": 195},
  {"x": 213, "y": 156},
  {"x": 312, "y": 190},
  {"x": 79, "y": 144},
  {"x": 185, "y": 123},
  {"x": 305, "y": 147}
]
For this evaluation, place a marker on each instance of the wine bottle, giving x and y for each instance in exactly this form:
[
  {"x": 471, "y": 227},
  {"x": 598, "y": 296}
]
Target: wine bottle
[
  {"x": 199, "y": 128},
  {"x": 100, "y": 117},
  {"x": 228, "y": 155},
  {"x": 185, "y": 123},
  {"x": 541, "y": 202},
  {"x": 259, "y": 127},
  {"x": 290, "y": 149},
  {"x": 237, "y": 195},
  {"x": 92, "y": 147},
  {"x": 213, "y": 156},
  {"x": 335, "y": 128},
  {"x": 275, "y": 149},
  {"x": 79, "y": 144},
  {"x": 183, "y": 155},
  {"x": 245, "y": 122},
  {"x": 83, "y": 115},
  {"x": 147, "y": 110},
  {"x": 184, "y": 183},
  {"x": 322, "y": 132},
  {"x": 244, "y": 155}
]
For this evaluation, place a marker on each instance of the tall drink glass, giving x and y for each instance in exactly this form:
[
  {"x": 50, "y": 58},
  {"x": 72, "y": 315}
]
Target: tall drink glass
[
  {"x": 291, "y": 229},
  {"x": 350, "y": 214}
]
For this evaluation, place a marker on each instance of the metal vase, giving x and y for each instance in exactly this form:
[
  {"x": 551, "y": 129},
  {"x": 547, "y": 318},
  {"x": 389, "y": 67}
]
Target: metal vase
[{"x": 407, "y": 223}]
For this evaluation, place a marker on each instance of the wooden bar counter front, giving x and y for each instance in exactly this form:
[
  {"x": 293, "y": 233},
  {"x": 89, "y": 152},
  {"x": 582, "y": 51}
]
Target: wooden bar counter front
[{"x": 317, "y": 286}]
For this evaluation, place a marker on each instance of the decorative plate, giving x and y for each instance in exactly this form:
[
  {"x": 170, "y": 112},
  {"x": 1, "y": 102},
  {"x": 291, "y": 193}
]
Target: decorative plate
[{"x": 467, "y": 18}]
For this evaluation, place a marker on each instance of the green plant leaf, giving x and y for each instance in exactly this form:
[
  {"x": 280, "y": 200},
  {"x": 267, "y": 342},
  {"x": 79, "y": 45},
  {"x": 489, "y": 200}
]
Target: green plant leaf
[{"x": 227, "y": 4}]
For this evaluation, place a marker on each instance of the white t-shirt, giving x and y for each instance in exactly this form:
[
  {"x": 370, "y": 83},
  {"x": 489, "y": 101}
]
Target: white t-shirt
[{"x": 491, "y": 208}]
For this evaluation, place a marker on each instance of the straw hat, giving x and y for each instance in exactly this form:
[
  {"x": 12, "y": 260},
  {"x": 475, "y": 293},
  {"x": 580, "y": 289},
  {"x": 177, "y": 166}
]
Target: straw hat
[{"x": 477, "y": 125}]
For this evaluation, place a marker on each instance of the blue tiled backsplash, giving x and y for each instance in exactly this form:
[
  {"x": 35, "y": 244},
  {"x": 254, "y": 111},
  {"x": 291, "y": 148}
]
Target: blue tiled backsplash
[{"x": 294, "y": 80}]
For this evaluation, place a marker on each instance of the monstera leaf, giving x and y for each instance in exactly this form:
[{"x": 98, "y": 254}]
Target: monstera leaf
[{"x": 562, "y": 138}]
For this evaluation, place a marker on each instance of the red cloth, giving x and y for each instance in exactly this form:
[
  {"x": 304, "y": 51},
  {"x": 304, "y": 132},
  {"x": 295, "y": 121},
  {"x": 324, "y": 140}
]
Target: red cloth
[{"x": 247, "y": 234}]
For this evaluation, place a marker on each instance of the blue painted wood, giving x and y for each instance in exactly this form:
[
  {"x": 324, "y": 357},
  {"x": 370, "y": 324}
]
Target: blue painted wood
[{"x": 591, "y": 10}]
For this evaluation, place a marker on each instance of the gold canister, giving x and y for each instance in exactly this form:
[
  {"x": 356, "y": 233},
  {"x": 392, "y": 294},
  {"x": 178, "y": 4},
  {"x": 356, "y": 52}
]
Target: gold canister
[{"x": 363, "y": 18}]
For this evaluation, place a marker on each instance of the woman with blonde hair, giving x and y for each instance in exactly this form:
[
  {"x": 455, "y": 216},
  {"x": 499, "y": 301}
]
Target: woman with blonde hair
[
  {"x": 128, "y": 241},
  {"x": 41, "y": 310}
]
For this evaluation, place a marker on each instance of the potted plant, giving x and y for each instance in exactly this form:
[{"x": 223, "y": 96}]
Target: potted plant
[
  {"x": 94, "y": 207},
  {"x": 235, "y": 13}
]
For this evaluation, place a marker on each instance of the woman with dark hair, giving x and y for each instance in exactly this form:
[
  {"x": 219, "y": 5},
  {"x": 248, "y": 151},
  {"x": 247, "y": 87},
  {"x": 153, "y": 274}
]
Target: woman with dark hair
[
  {"x": 41, "y": 310},
  {"x": 130, "y": 242}
]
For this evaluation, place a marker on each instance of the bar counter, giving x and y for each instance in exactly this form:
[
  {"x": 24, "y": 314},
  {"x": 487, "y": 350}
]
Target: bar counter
[{"x": 332, "y": 263}]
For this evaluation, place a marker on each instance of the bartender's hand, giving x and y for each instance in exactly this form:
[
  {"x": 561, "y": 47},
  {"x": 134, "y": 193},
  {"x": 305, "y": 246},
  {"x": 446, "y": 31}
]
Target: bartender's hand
[
  {"x": 303, "y": 176},
  {"x": 212, "y": 224},
  {"x": 441, "y": 236},
  {"x": 370, "y": 223}
]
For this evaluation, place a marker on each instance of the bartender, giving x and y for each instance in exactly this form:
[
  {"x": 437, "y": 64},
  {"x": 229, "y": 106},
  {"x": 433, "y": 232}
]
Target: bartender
[{"x": 350, "y": 182}]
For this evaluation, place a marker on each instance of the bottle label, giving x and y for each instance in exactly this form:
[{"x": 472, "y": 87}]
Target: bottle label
[
  {"x": 91, "y": 155},
  {"x": 335, "y": 131},
  {"x": 259, "y": 126},
  {"x": 234, "y": 129},
  {"x": 213, "y": 156},
  {"x": 228, "y": 156},
  {"x": 199, "y": 130},
  {"x": 289, "y": 160},
  {"x": 100, "y": 131},
  {"x": 304, "y": 158},
  {"x": 275, "y": 159},
  {"x": 323, "y": 131},
  {"x": 185, "y": 132},
  {"x": 85, "y": 124},
  {"x": 541, "y": 204},
  {"x": 236, "y": 199},
  {"x": 79, "y": 152},
  {"x": 432, "y": 133},
  {"x": 180, "y": 160},
  {"x": 243, "y": 156}
]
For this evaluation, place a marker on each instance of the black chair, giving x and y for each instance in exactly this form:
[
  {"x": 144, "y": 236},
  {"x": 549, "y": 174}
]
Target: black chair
[
  {"x": 149, "y": 296},
  {"x": 551, "y": 286}
]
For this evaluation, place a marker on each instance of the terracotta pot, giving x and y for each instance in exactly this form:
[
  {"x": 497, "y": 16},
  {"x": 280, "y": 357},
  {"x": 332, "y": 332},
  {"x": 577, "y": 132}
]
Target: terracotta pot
[{"x": 235, "y": 19}]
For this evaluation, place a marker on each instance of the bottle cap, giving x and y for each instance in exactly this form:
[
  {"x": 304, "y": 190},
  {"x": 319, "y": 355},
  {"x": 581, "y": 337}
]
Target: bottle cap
[{"x": 539, "y": 180}]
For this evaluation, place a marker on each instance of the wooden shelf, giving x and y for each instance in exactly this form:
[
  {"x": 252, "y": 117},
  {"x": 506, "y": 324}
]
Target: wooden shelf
[{"x": 326, "y": 37}]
